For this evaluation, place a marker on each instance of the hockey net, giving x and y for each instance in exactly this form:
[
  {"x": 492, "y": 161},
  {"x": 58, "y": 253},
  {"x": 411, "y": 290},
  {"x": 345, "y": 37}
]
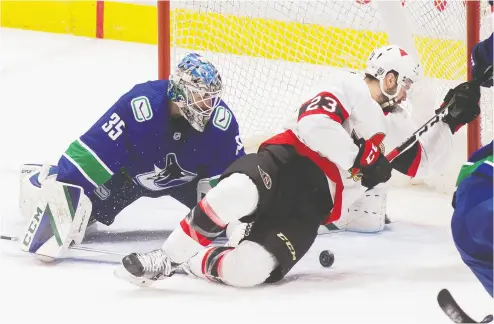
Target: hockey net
[{"x": 273, "y": 55}]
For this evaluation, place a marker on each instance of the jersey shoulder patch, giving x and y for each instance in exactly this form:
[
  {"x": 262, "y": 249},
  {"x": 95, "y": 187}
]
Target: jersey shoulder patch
[
  {"x": 141, "y": 108},
  {"x": 222, "y": 118}
]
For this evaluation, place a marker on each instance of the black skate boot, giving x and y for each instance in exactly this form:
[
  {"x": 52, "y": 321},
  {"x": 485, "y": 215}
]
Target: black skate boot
[{"x": 143, "y": 269}]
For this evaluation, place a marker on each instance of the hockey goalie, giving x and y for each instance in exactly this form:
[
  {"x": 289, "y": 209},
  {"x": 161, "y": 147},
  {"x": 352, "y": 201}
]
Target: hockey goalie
[{"x": 162, "y": 138}]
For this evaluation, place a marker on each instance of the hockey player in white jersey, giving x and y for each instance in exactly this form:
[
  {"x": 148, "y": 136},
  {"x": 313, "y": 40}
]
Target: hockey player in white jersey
[
  {"x": 299, "y": 179},
  {"x": 425, "y": 158}
]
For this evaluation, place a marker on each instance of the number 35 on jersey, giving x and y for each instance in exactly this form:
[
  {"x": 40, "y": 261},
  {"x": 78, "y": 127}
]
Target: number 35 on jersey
[{"x": 114, "y": 127}]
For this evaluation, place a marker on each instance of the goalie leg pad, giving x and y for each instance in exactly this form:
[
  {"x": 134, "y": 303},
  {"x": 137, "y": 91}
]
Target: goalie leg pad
[
  {"x": 32, "y": 176},
  {"x": 60, "y": 216},
  {"x": 367, "y": 214},
  {"x": 28, "y": 169}
]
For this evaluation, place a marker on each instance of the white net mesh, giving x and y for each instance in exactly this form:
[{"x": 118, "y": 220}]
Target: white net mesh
[{"x": 273, "y": 55}]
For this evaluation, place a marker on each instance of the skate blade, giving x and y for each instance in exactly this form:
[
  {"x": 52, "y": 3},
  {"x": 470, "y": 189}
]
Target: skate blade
[{"x": 123, "y": 274}]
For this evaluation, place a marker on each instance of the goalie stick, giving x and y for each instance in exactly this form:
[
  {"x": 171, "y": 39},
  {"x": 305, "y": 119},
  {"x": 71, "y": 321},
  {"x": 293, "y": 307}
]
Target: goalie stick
[
  {"x": 454, "y": 312},
  {"x": 116, "y": 260},
  {"x": 72, "y": 247}
]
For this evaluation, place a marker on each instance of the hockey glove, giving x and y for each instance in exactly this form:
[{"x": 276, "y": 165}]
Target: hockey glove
[
  {"x": 464, "y": 105},
  {"x": 373, "y": 166}
]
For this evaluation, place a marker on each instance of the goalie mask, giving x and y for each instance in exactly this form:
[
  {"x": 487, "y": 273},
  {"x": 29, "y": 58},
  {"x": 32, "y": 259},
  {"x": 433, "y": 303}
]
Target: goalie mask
[
  {"x": 196, "y": 88},
  {"x": 394, "y": 59}
]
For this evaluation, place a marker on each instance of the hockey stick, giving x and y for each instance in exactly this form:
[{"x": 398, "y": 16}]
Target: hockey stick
[
  {"x": 454, "y": 312},
  {"x": 9, "y": 238},
  {"x": 72, "y": 247},
  {"x": 397, "y": 151},
  {"x": 180, "y": 270},
  {"x": 431, "y": 122}
]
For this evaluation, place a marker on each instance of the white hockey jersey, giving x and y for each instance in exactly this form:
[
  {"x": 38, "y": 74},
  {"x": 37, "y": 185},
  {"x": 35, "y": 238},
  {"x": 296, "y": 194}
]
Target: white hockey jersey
[{"x": 328, "y": 125}]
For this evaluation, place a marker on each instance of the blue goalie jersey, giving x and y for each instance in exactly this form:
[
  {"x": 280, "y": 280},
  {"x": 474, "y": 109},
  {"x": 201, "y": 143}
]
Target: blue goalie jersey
[{"x": 161, "y": 155}]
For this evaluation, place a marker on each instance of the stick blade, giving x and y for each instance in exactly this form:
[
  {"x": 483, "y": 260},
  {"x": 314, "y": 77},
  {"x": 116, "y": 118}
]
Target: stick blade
[
  {"x": 451, "y": 308},
  {"x": 9, "y": 238}
]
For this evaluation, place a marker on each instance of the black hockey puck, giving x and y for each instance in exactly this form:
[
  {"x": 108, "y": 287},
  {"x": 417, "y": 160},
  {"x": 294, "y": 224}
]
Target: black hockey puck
[{"x": 326, "y": 258}]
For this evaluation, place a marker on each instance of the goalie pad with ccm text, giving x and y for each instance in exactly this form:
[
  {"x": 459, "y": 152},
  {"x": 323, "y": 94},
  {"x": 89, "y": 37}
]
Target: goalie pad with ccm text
[{"x": 60, "y": 216}]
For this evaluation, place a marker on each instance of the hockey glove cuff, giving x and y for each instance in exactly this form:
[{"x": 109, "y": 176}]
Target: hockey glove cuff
[{"x": 370, "y": 165}]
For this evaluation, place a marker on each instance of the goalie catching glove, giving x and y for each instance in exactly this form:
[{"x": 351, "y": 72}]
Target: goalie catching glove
[
  {"x": 370, "y": 164},
  {"x": 463, "y": 102},
  {"x": 60, "y": 215}
]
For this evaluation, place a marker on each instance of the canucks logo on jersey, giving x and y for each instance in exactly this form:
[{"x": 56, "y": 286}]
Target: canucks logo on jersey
[{"x": 172, "y": 175}]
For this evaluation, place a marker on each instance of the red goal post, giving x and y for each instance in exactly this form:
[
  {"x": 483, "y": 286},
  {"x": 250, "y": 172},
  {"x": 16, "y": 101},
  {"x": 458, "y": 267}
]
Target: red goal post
[
  {"x": 164, "y": 44},
  {"x": 473, "y": 37}
]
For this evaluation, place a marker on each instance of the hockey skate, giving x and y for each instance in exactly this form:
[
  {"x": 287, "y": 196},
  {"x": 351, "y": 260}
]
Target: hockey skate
[{"x": 143, "y": 269}]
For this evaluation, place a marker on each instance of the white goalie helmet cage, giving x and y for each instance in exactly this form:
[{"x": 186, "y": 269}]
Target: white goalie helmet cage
[{"x": 393, "y": 58}]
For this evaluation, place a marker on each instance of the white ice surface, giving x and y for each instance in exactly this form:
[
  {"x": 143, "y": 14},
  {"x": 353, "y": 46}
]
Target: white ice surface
[{"x": 53, "y": 87}]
